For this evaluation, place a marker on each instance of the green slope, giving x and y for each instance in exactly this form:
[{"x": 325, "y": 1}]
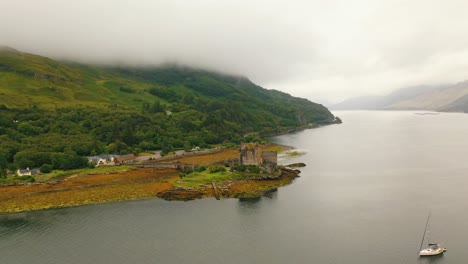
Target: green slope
[
  {"x": 29, "y": 80},
  {"x": 51, "y": 107}
]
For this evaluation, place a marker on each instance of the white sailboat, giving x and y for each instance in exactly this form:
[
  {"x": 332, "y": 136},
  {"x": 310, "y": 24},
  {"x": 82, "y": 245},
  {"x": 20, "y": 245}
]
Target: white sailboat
[{"x": 433, "y": 248}]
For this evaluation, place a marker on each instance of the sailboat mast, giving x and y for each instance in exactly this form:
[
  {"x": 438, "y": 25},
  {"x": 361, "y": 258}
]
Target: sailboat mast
[{"x": 425, "y": 229}]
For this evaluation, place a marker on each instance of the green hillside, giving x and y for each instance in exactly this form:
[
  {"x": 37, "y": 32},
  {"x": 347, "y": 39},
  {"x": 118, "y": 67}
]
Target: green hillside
[
  {"x": 27, "y": 80},
  {"x": 57, "y": 109}
]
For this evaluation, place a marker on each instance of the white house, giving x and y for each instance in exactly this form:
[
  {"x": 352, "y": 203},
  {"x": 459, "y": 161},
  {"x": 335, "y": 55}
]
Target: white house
[
  {"x": 27, "y": 172},
  {"x": 102, "y": 160}
]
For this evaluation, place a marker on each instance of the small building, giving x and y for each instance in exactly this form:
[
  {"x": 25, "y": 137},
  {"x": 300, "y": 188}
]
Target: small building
[
  {"x": 270, "y": 157},
  {"x": 102, "y": 160},
  {"x": 270, "y": 161},
  {"x": 27, "y": 172},
  {"x": 252, "y": 154},
  {"x": 196, "y": 149}
]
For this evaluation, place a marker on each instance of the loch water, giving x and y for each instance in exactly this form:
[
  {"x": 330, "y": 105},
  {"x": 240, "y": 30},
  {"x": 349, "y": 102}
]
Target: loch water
[{"x": 363, "y": 197}]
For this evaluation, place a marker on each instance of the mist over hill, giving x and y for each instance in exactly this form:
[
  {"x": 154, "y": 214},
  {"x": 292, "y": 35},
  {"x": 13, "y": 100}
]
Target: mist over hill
[
  {"x": 435, "y": 98},
  {"x": 28, "y": 80},
  {"x": 52, "y": 111}
]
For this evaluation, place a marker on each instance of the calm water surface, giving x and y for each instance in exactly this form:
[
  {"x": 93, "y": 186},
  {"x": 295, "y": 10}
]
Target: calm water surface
[{"x": 363, "y": 198}]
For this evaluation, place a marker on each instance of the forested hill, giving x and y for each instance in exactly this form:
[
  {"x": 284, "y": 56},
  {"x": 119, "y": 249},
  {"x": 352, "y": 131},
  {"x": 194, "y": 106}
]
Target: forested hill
[{"x": 50, "y": 107}]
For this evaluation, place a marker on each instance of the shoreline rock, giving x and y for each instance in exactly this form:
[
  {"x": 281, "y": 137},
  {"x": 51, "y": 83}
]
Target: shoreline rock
[
  {"x": 250, "y": 188},
  {"x": 296, "y": 165}
]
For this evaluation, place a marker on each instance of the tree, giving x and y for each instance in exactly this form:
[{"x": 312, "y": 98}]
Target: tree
[
  {"x": 31, "y": 158},
  {"x": 3, "y": 167},
  {"x": 156, "y": 107},
  {"x": 28, "y": 129},
  {"x": 117, "y": 147},
  {"x": 67, "y": 162},
  {"x": 187, "y": 146},
  {"x": 46, "y": 168},
  {"x": 166, "y": 148}
]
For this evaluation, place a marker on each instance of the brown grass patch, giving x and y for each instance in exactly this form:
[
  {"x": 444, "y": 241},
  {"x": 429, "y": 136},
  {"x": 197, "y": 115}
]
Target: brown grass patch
[
  {"x": 89, "y": 189},
  {"x": 211, "y": 158}
]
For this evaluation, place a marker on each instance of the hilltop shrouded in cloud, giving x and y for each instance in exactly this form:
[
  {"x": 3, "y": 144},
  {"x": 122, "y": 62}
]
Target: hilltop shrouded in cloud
[{"x": 321, "y": 50}]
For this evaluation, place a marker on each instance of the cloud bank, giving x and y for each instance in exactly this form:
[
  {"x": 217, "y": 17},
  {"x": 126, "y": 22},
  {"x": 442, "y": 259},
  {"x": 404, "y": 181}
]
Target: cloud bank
[{"x": 321, "y": 50}]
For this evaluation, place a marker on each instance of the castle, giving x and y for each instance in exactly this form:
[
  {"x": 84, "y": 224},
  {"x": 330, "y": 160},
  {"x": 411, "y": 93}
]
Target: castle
[{"x": 252, "y": 154}]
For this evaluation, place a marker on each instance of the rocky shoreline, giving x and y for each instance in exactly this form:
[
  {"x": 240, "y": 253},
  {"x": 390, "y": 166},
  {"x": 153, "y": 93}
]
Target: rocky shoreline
[{"x": 249, "y": 188}]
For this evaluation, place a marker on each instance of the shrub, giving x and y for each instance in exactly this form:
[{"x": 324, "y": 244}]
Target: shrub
[
  {"x": 201, "y": 168},
  {"x": 240, "y": 168},
  {"x": 216, "y": 168},
  {"x": 27, "y": 178},
  {"x": 126, "y": 89},
  {"x": 248, "y": 168},
  {"x": 46, "y": 168},
  {"x": 253, "y": 169}
]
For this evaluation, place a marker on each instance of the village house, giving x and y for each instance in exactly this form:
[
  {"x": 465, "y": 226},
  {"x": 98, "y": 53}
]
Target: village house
[
  {"x": 110, "y": 160},
  {"x": 27, "y": 172},
  {"x": 102, "y": 160},
  {"x": 196, "y": 149}
]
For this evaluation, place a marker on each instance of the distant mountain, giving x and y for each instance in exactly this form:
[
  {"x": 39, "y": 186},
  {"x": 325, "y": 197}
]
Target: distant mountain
[
  {"x": 359, "y": 103},
  {"x": 436, "y": 98},
  {"x": 451, "y": 99},
  {"x": 459, "y": 105}
]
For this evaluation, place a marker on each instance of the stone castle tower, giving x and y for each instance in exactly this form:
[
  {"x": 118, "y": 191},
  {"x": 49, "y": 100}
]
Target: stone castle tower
[{"x": 251, "y": 154}]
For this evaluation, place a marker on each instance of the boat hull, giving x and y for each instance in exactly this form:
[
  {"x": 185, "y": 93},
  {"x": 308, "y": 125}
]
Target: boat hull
[{"x": 432, "y": 252}]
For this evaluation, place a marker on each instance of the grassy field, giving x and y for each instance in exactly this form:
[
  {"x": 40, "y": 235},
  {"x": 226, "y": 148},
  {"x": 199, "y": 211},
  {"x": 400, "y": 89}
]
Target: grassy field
[
  {"x": 87, "y": 189},
  {"x": 57, "y": 174},
  {"x": 200, "y": 179},
  {"x": 60, "y": 174}
]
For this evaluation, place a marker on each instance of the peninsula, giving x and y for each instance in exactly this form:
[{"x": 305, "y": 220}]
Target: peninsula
[{"x": 158, "y": 179}]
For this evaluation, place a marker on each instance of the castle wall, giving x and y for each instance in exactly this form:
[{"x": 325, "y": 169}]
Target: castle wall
[
  {"x": 251, "y": 154},
  {"x": 270, "y": 157}
]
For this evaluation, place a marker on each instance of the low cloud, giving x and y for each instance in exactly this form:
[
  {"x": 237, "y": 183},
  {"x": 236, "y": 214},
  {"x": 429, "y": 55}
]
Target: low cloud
[{"x": 326, "y": 50}]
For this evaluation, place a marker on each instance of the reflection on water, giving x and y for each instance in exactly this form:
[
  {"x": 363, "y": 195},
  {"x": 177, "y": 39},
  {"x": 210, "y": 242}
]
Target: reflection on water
[
  {"x": 249, "y": 205},
  {"x": 431, "y": 259},
  {"x": 249, "y": 200},
  {"x": 273, "y": 194},
  {"x": 12, "y": 223}
]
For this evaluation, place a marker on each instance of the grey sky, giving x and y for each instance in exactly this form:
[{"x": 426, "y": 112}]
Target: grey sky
[{"x": 320, "y": 50}]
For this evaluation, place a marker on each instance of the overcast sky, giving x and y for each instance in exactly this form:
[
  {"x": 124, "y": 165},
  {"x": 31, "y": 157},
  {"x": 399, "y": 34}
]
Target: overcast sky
[{"x": 324, "y": 50}]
